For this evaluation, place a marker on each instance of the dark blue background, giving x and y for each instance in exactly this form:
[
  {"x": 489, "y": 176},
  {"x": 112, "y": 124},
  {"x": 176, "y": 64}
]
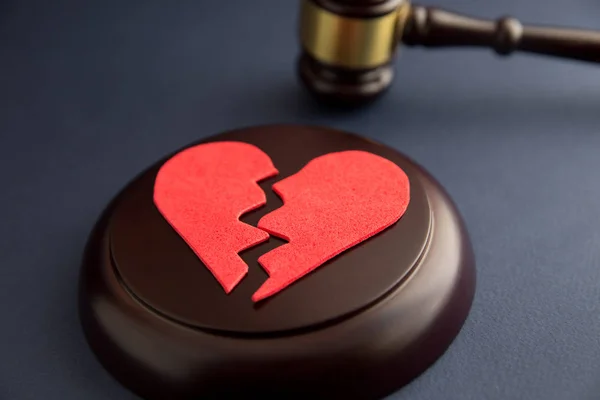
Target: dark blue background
[{"x": 91, "y": 92}]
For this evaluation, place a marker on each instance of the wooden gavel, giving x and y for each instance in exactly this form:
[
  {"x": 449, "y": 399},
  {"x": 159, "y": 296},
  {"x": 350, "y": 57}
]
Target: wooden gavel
[{"x": 348, "y": 46}]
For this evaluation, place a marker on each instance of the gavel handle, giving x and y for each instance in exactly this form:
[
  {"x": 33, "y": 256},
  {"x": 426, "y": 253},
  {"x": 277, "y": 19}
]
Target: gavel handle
[{"x": 431, "y": 27}]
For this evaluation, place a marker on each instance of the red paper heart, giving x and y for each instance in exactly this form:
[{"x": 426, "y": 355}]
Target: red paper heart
[
  {"x": 202, "y": 192},
  {"x": 334, "y": 203}
]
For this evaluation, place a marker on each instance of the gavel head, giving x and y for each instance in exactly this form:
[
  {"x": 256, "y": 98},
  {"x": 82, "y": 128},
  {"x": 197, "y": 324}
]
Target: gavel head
[{"x": 348, "y": 47}]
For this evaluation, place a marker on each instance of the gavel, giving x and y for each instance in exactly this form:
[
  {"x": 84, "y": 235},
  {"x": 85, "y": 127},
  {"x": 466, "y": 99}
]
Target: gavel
[{"x": 349, "y": 46}]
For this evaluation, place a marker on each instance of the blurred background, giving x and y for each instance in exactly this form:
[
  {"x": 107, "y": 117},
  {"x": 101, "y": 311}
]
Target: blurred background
[{"x": 92, "y": 92}]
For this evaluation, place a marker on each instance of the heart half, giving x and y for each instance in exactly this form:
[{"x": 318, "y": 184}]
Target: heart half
[
  {"x": 202, "y": 192},
  {"x": 334, "y": 203}
]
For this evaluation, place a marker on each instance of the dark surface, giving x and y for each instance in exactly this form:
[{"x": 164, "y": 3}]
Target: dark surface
[
  {"x": 162, "y": 325},
  {"x": 170, "y": 278},
  {"x": 92, "y": 93}
]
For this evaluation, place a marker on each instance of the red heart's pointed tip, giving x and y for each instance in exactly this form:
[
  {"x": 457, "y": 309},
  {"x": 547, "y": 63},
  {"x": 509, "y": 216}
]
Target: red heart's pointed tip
[
  {"x": 268, "y": 289},
  {"x": 228, "y": 288},
  {"x": 229, "y": 283}
]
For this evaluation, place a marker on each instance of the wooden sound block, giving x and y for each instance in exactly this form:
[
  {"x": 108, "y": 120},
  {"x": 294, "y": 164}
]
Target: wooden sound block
[{"x": 359, "y": 327}]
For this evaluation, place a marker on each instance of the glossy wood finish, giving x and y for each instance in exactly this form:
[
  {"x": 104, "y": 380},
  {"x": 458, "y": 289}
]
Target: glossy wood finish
[
  {"x": 343, "y": 86},
  {"x": 435, "y": 28},
  {"x": 403, "y": 323},
  {"x": 432, "y": 27},
  {"x": 359, "y": 8}
]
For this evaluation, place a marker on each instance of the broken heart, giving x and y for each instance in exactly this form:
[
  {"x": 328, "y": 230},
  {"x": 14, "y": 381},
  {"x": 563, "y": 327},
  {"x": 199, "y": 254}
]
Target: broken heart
[{"x": 335, "y": 202}]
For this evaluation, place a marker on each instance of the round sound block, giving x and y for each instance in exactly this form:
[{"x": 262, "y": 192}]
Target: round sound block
[{"x": 360, "y": 326}]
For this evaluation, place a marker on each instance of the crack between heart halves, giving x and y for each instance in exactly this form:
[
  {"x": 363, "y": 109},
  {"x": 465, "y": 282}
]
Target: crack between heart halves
[{"x": 251, "y": 254}]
